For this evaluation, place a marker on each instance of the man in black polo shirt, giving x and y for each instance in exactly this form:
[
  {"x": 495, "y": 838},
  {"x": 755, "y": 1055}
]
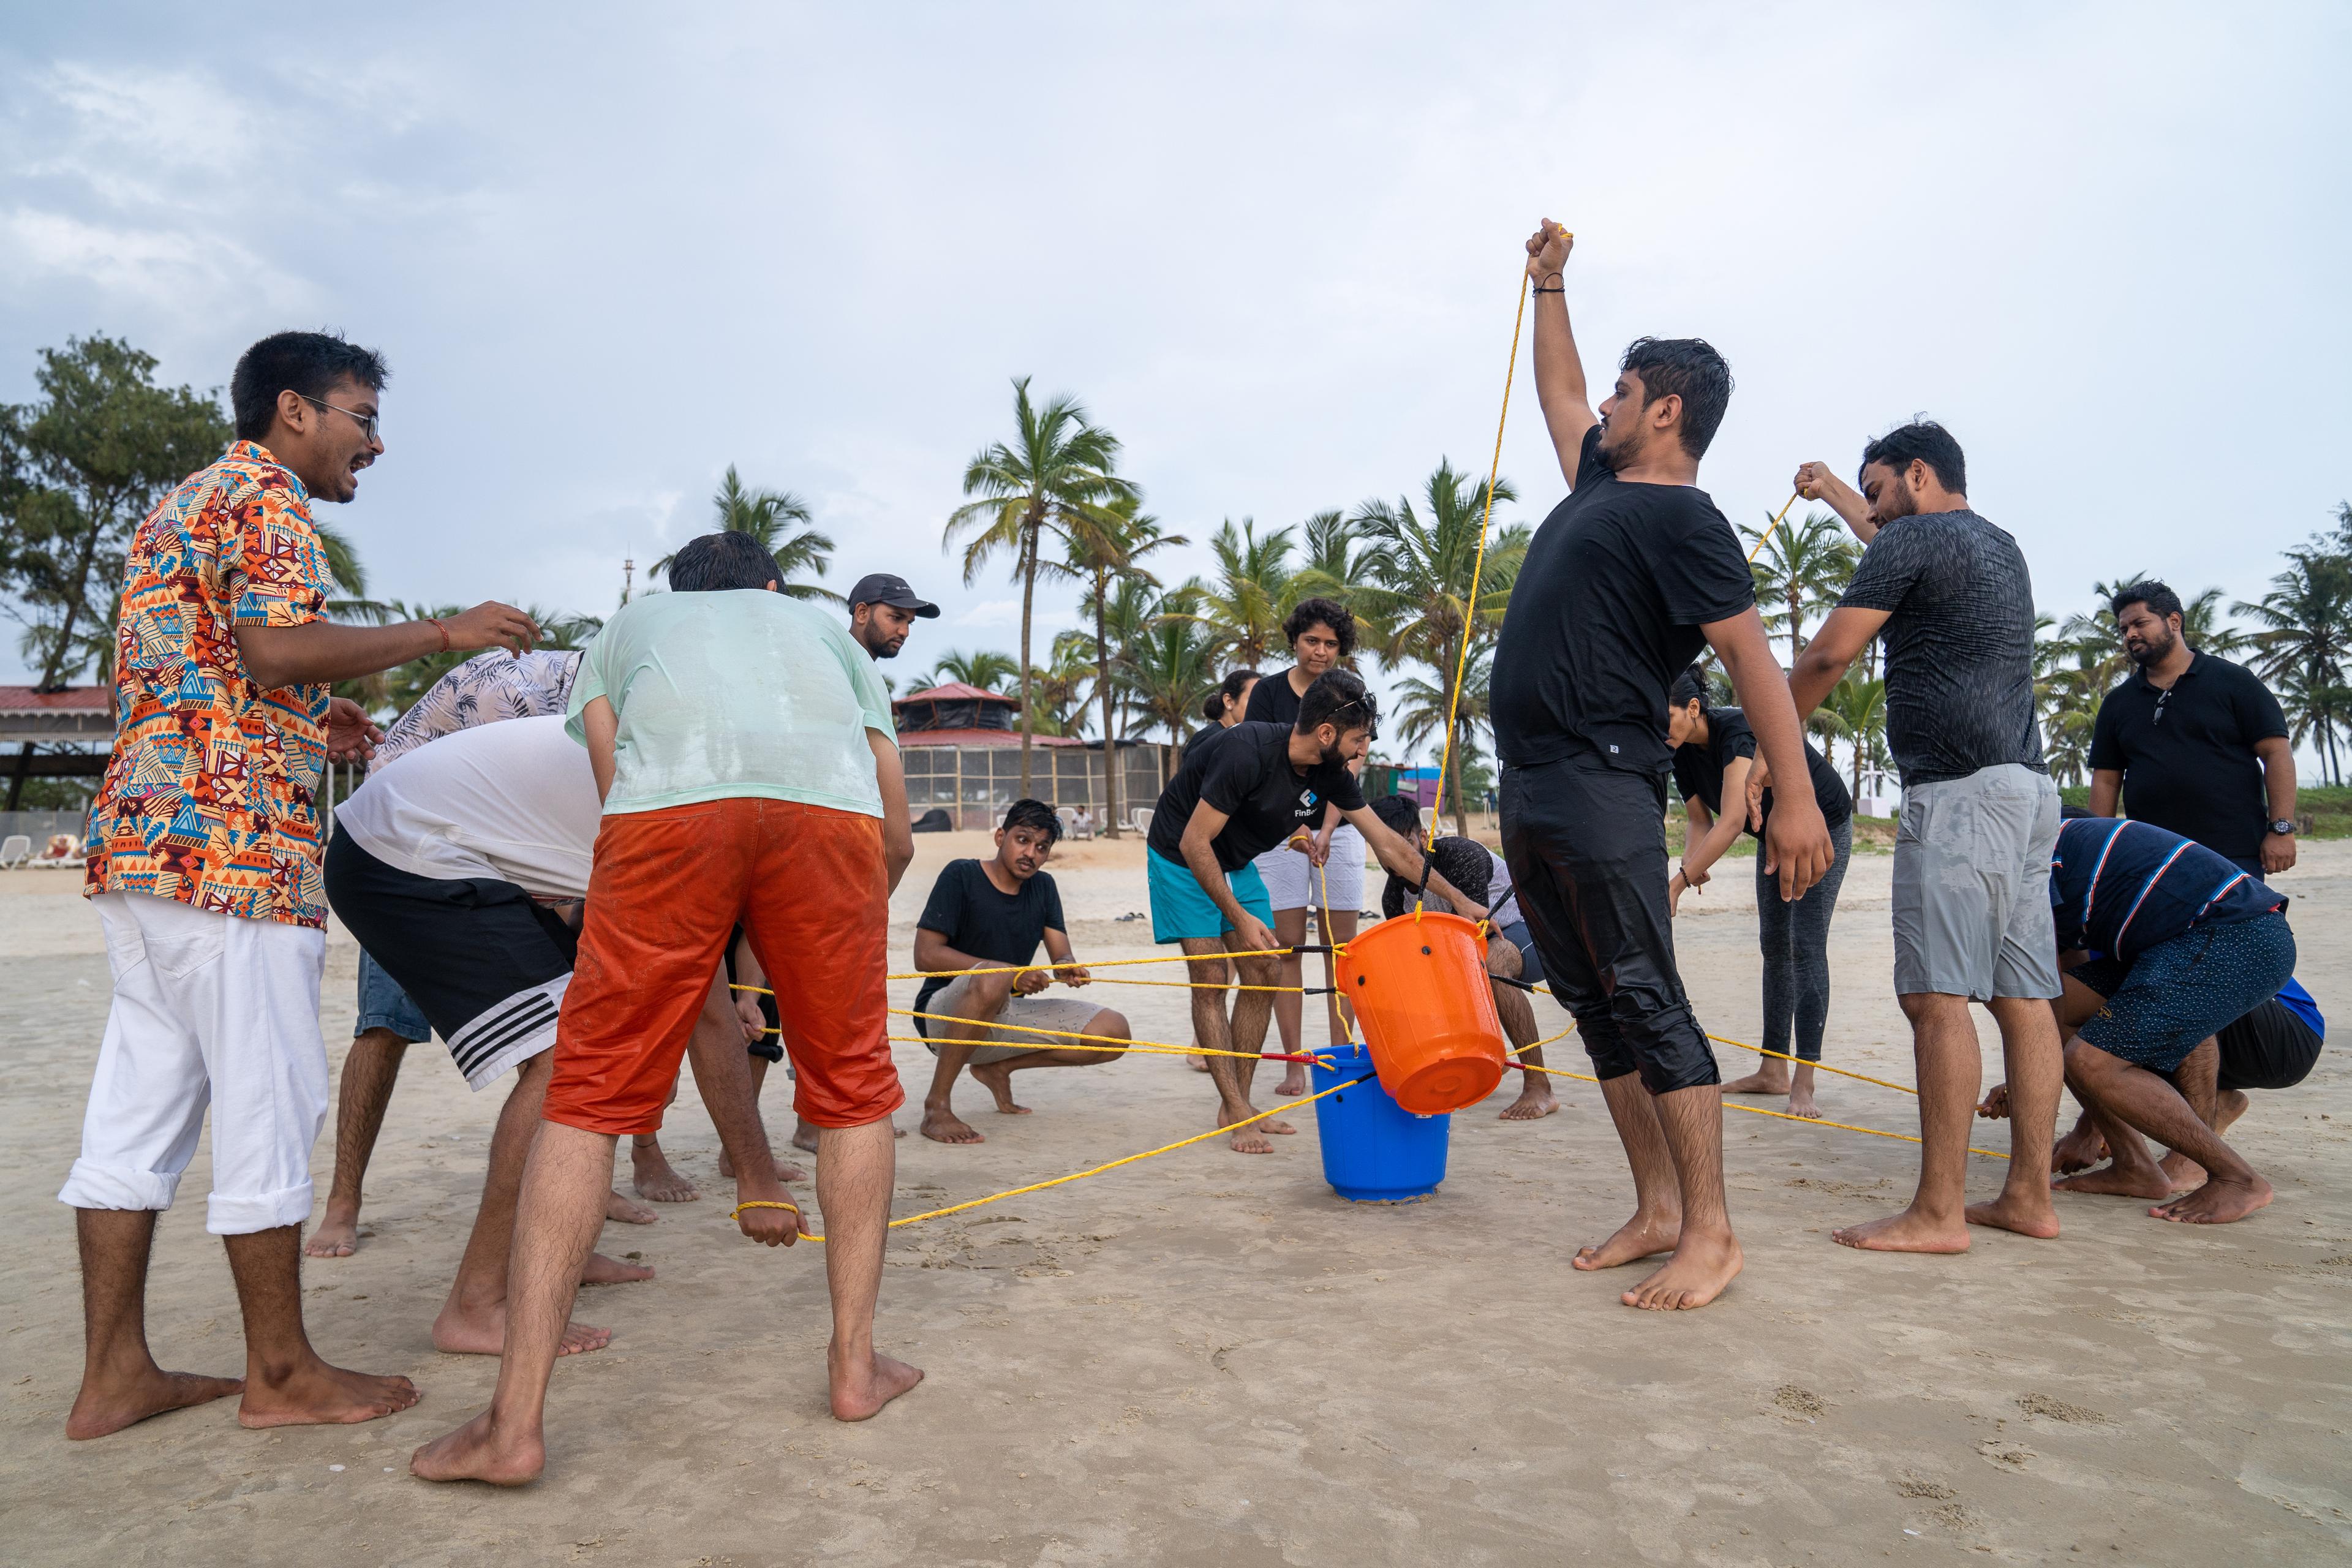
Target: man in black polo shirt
[
  {"x": 1627, "y": 580},
  {"x": 1240, "y": 793},
  {"x": 2194, "y": 745}
]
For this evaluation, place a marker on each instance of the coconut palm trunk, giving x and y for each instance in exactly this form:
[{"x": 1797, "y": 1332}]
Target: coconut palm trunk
[
  {"x": 1028, "y": 606},
  {"x": 1111, "y": 769}
]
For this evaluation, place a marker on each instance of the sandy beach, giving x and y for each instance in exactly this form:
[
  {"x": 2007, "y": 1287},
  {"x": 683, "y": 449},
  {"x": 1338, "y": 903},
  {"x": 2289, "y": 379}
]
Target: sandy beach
[{"x": 1211, "y": 1359}]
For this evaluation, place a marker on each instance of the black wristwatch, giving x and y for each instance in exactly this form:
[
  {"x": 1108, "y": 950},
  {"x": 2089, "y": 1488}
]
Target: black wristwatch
[{"x": 2284, "y": 827}]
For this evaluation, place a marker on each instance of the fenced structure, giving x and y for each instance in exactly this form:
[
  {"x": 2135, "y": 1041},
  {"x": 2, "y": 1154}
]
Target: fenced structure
[{"x": 961, "y": 749}]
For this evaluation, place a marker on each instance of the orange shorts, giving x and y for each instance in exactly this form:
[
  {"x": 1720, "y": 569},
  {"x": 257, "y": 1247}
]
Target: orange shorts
[{"x": 808, "y": 885}]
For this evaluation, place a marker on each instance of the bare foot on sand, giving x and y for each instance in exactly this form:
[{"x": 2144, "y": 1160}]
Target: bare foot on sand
[
  {"x": 480, "y": 1452},
  {"x": 997, "y": 1078},
  {"x": 1249, "y": 1139},
  {"x": 786, "y": 1171},
  {"x": 1696, "y": 1274},
  {"x": 2117, "y": 1182},
  {"x": 656, "y": 1179},
  {"x": 1763, "y": 1081},
  {"x": 2081, "y": 1149},
  {"x": 338, "y": 1234},
  {"x": 626, "y": 1211},
  {"x": 1294, "y": 1082},
  {"x": 944, "y": 1126},
  {"x": 1908, "y": 1231},
  {"x": 2216, "y": 1203},
  {"x": 317, "y": 1394},
  {"x": 860, "y": 1392},
  {"x": 1802, "y": 1103},
  {"x": 1643, "y": 1235},
  {"x": 2185, "y": 1173},
  {"x": 1535, "y": 1102},
  {"x": 483, "y": 1332},
  {"x": 2032, "y": 1215},
  {"x": 602, "y": 1270},
  {"x": 102, "y": 1408}
]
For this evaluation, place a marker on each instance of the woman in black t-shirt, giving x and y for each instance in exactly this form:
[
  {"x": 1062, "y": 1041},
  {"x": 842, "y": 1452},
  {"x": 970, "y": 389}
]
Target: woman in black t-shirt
[
  {"x": 1322, "y": 633},
  {"x": 1713, "y": 751}
]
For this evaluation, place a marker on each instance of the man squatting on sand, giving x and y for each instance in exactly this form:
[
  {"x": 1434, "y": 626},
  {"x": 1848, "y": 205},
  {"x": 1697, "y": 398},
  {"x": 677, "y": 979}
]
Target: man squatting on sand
[
  {"x": 992, "y": 914},
  {"x": 2169, "y": 945},
  {"x": 1624, "y": 584},
  {"x": 205, "y": 870},
  {"x": 486, "y": 689},
  {"x": 1239, "y": 793},
  {"x": 1952, "y": 594},
  {"x": 743, "y": 744}
]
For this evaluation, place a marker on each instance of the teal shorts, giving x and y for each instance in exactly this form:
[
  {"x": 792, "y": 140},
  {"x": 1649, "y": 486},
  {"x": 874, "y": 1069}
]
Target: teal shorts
[{"x": 1181, "y": 908}]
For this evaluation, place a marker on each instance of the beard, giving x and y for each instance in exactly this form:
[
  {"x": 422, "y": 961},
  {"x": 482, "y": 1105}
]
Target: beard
[{"x": 2152, "y": 650}]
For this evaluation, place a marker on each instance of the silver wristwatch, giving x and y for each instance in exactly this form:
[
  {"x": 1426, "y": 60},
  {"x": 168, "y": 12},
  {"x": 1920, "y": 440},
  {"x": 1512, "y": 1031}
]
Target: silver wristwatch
[{"x": 2284, "y": 826}]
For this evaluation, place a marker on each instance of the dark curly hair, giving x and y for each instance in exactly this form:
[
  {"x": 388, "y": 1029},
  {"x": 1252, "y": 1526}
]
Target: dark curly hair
[{"x": 1322, "y": 611}]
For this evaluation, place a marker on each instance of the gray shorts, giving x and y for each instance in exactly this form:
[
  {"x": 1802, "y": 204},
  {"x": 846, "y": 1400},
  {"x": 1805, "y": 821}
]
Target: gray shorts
[
  {"x": 1972, "y": 886},
  {"x": 1021, "y": 1014}
]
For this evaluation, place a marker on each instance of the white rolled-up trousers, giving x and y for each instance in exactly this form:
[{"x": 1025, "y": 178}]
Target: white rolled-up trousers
[{"x": 212, "y": 1012}]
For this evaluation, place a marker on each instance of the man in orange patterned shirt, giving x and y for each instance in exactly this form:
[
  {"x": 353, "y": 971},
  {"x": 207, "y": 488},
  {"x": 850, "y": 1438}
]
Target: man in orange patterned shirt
[{"x": 204, "y": 869}]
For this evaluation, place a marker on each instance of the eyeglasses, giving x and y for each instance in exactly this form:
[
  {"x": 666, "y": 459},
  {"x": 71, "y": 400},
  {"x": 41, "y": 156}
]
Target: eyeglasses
[{"x": 366, "y": 422}]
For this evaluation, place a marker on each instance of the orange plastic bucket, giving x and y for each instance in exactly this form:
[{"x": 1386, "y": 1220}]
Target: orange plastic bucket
[{"x": 1421, "y": 993}]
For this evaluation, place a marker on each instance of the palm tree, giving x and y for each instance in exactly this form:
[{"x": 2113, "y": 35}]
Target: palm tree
[
  {"x": 1419, "y": 568},
  {"x": 1421, "y": 563},
  {"x": 1421, "y": 706},
  {"x": 1096, "y": 554},
  {"x": 1056, "y": 476},
  {"x": 1334, "y": 560},
  {"x": 779, "y": 521},
  {"x": 1858, "y": 706},
  {"x": 1170, "y": 669},
  {"x": 2305, "y": 642},
  {"x": 1243, "y": 604},
  {"x": 983, "y": 667},
  {"x": 1801, "y": 567}
]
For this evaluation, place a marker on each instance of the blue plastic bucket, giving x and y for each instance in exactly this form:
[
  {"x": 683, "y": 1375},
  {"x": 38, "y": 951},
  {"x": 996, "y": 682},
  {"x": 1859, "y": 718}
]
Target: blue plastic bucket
[{"x": 1374, "y": 1150}]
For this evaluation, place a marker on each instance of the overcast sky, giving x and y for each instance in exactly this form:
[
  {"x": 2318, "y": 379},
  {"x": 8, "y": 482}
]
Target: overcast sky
[{"x": 611, "y": 249}]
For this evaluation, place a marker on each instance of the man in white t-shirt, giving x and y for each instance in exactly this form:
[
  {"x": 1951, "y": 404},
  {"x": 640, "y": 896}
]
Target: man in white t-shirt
[{"x": 449, "y": 865}]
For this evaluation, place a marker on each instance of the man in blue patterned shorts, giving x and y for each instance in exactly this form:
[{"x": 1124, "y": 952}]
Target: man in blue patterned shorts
[{"x": 2175, "y": 945}]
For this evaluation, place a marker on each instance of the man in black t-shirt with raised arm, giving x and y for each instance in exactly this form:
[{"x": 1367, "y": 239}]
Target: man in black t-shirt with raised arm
[
  {"x": 1240, "y": 793},
  {"x": 1952, "y": 596},
  {"x": 992, "y": 914},
  {"x": 1624, "y": 584}
]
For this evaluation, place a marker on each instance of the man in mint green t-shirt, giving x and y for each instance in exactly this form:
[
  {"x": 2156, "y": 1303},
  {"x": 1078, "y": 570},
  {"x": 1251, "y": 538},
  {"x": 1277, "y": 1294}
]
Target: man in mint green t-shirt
[{"x": 743, "y": 747}]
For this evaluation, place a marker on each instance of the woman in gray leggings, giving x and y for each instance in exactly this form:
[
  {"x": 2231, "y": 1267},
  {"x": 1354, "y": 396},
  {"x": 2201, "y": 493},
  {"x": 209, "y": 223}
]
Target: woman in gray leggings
[{"x": 1714, "y": 750}]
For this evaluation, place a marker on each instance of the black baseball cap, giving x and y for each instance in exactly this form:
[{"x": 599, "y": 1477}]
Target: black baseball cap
[{"x": 883, "y": 588}]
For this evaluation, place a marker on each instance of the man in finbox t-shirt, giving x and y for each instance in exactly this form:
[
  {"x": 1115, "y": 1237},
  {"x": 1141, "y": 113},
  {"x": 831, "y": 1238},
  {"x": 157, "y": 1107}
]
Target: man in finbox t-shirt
[
  {"x": 1953, "y": 599},
  {"x": 1238, "y": 794},
  {"x": 1622, "y": 585},
  {"x": 992, "y": 914}
]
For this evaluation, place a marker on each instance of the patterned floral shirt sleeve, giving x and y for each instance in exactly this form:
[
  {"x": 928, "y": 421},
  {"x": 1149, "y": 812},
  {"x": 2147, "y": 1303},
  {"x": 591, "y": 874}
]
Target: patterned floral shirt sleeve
[
  {"x": 208, "y": 795},
  {"x": 485, "y": 688}
]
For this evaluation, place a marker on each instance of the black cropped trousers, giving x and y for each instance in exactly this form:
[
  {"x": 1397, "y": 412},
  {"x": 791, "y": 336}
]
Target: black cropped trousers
[{"x": 1587, "y": 848}]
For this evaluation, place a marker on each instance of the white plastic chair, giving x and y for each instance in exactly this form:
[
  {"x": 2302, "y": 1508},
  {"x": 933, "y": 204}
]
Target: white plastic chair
[
  {"x": 14, "y": 850},
  {"x": 1143, "y": 819},
  {"x": 62, "y": 849}
]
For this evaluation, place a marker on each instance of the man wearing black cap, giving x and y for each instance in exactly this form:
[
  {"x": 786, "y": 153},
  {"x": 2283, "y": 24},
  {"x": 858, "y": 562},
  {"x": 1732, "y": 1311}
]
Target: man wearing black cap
[{"x": 883, "y": 610}]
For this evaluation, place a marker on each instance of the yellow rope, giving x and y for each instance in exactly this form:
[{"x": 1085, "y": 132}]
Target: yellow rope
[
  {"x": 1826, "y": 1067},
  {"x": 1767, "y": 530},
  {"x": 1115, "y": 1164},
  {"x": 1145, "y": 1048},
  {"x": 1477, "y": 565},
  {"x": 1068, "y": 1034},
  {"x": 1783, "y": 1115},
  {"x": 760, "y": 1203},
  {"x": 1107, "y": 963}
]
